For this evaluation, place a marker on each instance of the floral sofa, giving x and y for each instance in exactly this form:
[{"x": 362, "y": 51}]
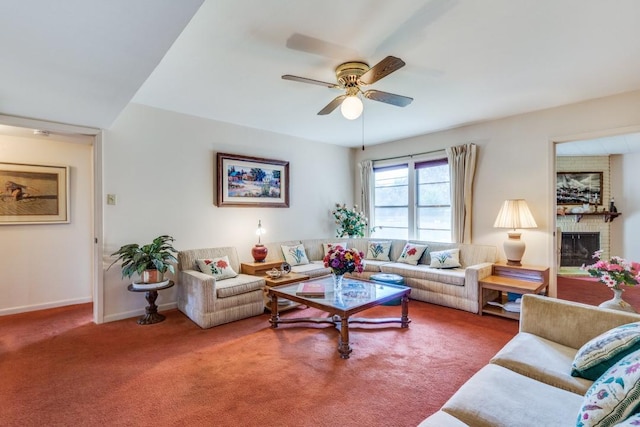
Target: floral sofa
[
  {"x": 455, "y": 287},
  {"x": 570, "y": 364}
]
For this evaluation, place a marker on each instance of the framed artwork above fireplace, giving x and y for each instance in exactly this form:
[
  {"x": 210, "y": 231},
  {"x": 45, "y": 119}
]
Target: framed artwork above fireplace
[{"x": 579, "y": 188}]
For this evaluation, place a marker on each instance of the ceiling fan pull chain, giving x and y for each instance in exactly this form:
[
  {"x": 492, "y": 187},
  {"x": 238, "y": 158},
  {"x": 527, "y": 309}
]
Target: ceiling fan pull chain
[{"x": 362, "y": 130}]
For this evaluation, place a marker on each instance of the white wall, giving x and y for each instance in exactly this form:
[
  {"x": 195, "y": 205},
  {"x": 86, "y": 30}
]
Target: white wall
[
  {"x": 48, "y": 265},
  {"x": 516, "y": 160},
  {"x": 625, "y": 169},
  {"x": 161, "y": 167}
]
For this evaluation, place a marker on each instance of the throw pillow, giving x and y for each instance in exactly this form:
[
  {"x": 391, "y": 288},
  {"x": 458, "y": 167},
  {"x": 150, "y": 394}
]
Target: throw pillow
[
  {"x": 378, "y": 251},
  {"x": 328, "y": 246},
  {"x": 614, "y": 396},
  {"x": 412, "y": 253},
  {"x": 295, "y": 255},
  {"x": 632, "y": 421},
  {"x": 219, "y": 268},
  {"x": 603, "y": 351},
  {"x": 449, "y": 258}
]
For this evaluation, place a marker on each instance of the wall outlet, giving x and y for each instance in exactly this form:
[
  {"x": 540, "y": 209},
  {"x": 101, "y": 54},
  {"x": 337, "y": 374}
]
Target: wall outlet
[{"x": 111, "y": 199}]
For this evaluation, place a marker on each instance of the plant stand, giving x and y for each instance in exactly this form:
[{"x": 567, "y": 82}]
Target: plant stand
[{"x": 151, "y": 311}]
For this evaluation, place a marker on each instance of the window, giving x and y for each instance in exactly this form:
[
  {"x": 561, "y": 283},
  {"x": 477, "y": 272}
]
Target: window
[
  {"x": 433, "y": 202},
  {"x": 391, "y": 202},
  {"x": 412, "y": 201}
]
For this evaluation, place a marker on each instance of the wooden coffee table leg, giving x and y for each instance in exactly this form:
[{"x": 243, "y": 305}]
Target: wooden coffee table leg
[
  {"x": 274, "y": 311},
  {"x": 343, "y": 343},
  {"x": 405, "y": 312}
]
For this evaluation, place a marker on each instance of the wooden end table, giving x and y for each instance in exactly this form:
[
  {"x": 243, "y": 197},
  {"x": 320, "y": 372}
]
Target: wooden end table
[
  {"x": 525, "y": 279},
  {"x": 284, "y": 280},
  {"x": 152, "y": 316}
]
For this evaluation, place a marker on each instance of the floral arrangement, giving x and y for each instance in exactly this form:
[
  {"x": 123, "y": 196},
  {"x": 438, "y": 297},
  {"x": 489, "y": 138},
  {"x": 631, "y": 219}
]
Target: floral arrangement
[
  {"x": 614, "y": 272},
  {"x": 351, "y": 222},
  {"x": 342, "y": 260}
]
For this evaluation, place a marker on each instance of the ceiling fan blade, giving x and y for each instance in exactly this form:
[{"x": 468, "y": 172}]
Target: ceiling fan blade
[
  {"x": 389, "y": 98},
  {"x": 312, "y": 81},
  {"x": 332, "y": 105},
  {"x": 382, "y": 69}
]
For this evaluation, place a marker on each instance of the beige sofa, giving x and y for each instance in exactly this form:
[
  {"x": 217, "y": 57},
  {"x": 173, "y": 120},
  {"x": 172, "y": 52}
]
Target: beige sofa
[
  {"x": 456, "y": 287},
  {"x": 528, "y": 382},
  {"x": 210, "y": 302}
]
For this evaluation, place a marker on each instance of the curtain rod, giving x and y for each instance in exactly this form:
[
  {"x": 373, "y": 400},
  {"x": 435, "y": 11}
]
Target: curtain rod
[{"x": 410, "y": 156}]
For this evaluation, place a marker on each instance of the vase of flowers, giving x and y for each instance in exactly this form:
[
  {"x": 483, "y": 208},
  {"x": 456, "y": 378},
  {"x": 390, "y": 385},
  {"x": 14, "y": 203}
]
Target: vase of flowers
[
  {"x": 614, "y": 273},
  {"x": 342, "y": 261},
  {"x": 351, "y": 222}
]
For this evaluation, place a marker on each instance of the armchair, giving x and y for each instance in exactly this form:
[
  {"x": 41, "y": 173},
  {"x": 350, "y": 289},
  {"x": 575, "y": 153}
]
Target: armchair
[{"x": 210, "y": 302}]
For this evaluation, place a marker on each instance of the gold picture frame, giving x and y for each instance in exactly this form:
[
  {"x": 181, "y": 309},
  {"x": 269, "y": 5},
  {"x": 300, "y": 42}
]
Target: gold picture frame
[{"x": 34, "y": 194}]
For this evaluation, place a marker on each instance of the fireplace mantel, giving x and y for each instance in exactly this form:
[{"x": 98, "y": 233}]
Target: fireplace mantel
[{"x": 607, "y": 216}]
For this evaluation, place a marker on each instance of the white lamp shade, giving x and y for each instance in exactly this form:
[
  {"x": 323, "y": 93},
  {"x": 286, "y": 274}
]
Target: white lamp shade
[
  {"x": 351, "y": 107},
  {"x": 515, "y": 214}
]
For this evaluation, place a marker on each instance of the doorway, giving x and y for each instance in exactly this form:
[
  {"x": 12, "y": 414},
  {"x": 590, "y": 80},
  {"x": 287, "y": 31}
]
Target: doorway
[
  {"x": 57, "y": 264},
  {"x": 613, "y": 152}
]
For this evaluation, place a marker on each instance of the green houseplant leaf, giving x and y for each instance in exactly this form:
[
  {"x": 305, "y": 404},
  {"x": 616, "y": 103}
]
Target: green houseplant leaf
[{"x": 157, "y": 255}]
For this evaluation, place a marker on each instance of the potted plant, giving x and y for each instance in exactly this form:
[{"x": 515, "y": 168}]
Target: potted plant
[{"x": 150, "y": 261}]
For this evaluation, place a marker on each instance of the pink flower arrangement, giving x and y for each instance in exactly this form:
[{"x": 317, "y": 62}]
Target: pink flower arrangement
[
  {"x": 342, "y": 260},
  {"x": 614, "y": 272}
]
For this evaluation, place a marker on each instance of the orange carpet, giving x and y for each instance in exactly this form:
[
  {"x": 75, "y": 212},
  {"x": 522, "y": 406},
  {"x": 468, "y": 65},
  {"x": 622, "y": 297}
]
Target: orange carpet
[{"x": 57, "y": 368}]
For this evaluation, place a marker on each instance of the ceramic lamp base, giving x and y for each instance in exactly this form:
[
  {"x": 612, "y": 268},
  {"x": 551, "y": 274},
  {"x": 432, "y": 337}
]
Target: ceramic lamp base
[
  {"x": 514, "y": 249},
  {"x": 259, "y": 253}
]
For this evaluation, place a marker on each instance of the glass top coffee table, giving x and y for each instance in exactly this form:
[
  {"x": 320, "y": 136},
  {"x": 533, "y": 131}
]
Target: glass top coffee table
[{"x": 356, "y": 296}]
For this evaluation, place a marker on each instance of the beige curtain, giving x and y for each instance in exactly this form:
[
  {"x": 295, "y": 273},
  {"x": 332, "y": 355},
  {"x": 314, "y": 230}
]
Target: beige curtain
[
  {"x": 366, "y": 191},
  {"x": 462, "y": 167}
]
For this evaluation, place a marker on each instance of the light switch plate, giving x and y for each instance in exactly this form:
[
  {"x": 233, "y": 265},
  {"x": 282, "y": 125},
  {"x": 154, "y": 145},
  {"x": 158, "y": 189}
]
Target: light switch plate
[{"x": 111, "y": 199}]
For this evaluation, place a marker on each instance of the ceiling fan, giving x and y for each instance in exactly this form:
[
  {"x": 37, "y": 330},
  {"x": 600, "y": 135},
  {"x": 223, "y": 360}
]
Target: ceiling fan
[{"x": 351, "y": 76}]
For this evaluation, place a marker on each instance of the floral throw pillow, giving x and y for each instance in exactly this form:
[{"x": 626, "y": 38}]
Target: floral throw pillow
[
  {"x": 412, "y": 253},
  {"x": 219, "y": 268},
  {"x": 633, "y": 420},
  {"x": 449, "y": 258},
  {"x": 295, "y": 255},
  {"x": 614, "y": 396},
  {"x": 378, "y": 251},
  {"x": 603, "y": 351},
  {"x": 327, "y": 246}
]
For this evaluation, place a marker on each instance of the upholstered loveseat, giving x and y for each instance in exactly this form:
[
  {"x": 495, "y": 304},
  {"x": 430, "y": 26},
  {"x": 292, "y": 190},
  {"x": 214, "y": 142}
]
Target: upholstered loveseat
[
  {"x": 451, "y": 287},
  {"x": 529, "y": 382}
]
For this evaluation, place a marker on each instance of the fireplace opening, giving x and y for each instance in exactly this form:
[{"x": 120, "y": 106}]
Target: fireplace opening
[{"x": 578, "y": 248}]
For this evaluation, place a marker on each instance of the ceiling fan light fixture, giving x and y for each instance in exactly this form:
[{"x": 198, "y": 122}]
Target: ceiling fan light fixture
[{"x": 351, "y": 108}]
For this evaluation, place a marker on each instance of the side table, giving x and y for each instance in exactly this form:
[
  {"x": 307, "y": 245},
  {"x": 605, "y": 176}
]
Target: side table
[
  {"x": 283, "y": 304},
  {"x": 525, "y": 279},
  {"x": 152, "y": 316},
  {"x": 260, "y": 269}
]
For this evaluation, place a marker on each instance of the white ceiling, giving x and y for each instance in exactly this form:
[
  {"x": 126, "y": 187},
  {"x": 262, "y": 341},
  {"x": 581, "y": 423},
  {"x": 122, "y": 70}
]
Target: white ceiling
[
  {"x": 619, "y": 144},
  {"x": 81, "y": 61}
]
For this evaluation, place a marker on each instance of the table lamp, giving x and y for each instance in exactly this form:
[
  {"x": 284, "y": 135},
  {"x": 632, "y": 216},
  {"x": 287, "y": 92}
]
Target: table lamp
[
  {"x": 259, "y": 251},
  {"x": 514, "y": 214}
]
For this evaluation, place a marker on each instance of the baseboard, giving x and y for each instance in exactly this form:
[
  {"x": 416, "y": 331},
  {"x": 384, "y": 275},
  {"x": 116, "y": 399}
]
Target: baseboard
[
  {"x": 36, "y": 307},
  {"x": 136, "y": 313}
]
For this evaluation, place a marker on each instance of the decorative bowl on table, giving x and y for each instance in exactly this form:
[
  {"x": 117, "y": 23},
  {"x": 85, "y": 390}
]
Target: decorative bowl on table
[{"x": 274, "y": 274}]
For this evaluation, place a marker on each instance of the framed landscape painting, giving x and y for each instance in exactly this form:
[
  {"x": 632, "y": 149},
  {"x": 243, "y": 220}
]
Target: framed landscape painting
[
  {"x": 577, "y": 188},
  {"x": 34, "y": 194},
  {"x": 252, "y": 181}
]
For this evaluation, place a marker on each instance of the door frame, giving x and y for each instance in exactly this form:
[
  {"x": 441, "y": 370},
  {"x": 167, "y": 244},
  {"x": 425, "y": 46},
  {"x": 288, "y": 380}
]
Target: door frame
[
  {"x": 553, "y": 141},
  {"x": 96, "y": 139}
]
